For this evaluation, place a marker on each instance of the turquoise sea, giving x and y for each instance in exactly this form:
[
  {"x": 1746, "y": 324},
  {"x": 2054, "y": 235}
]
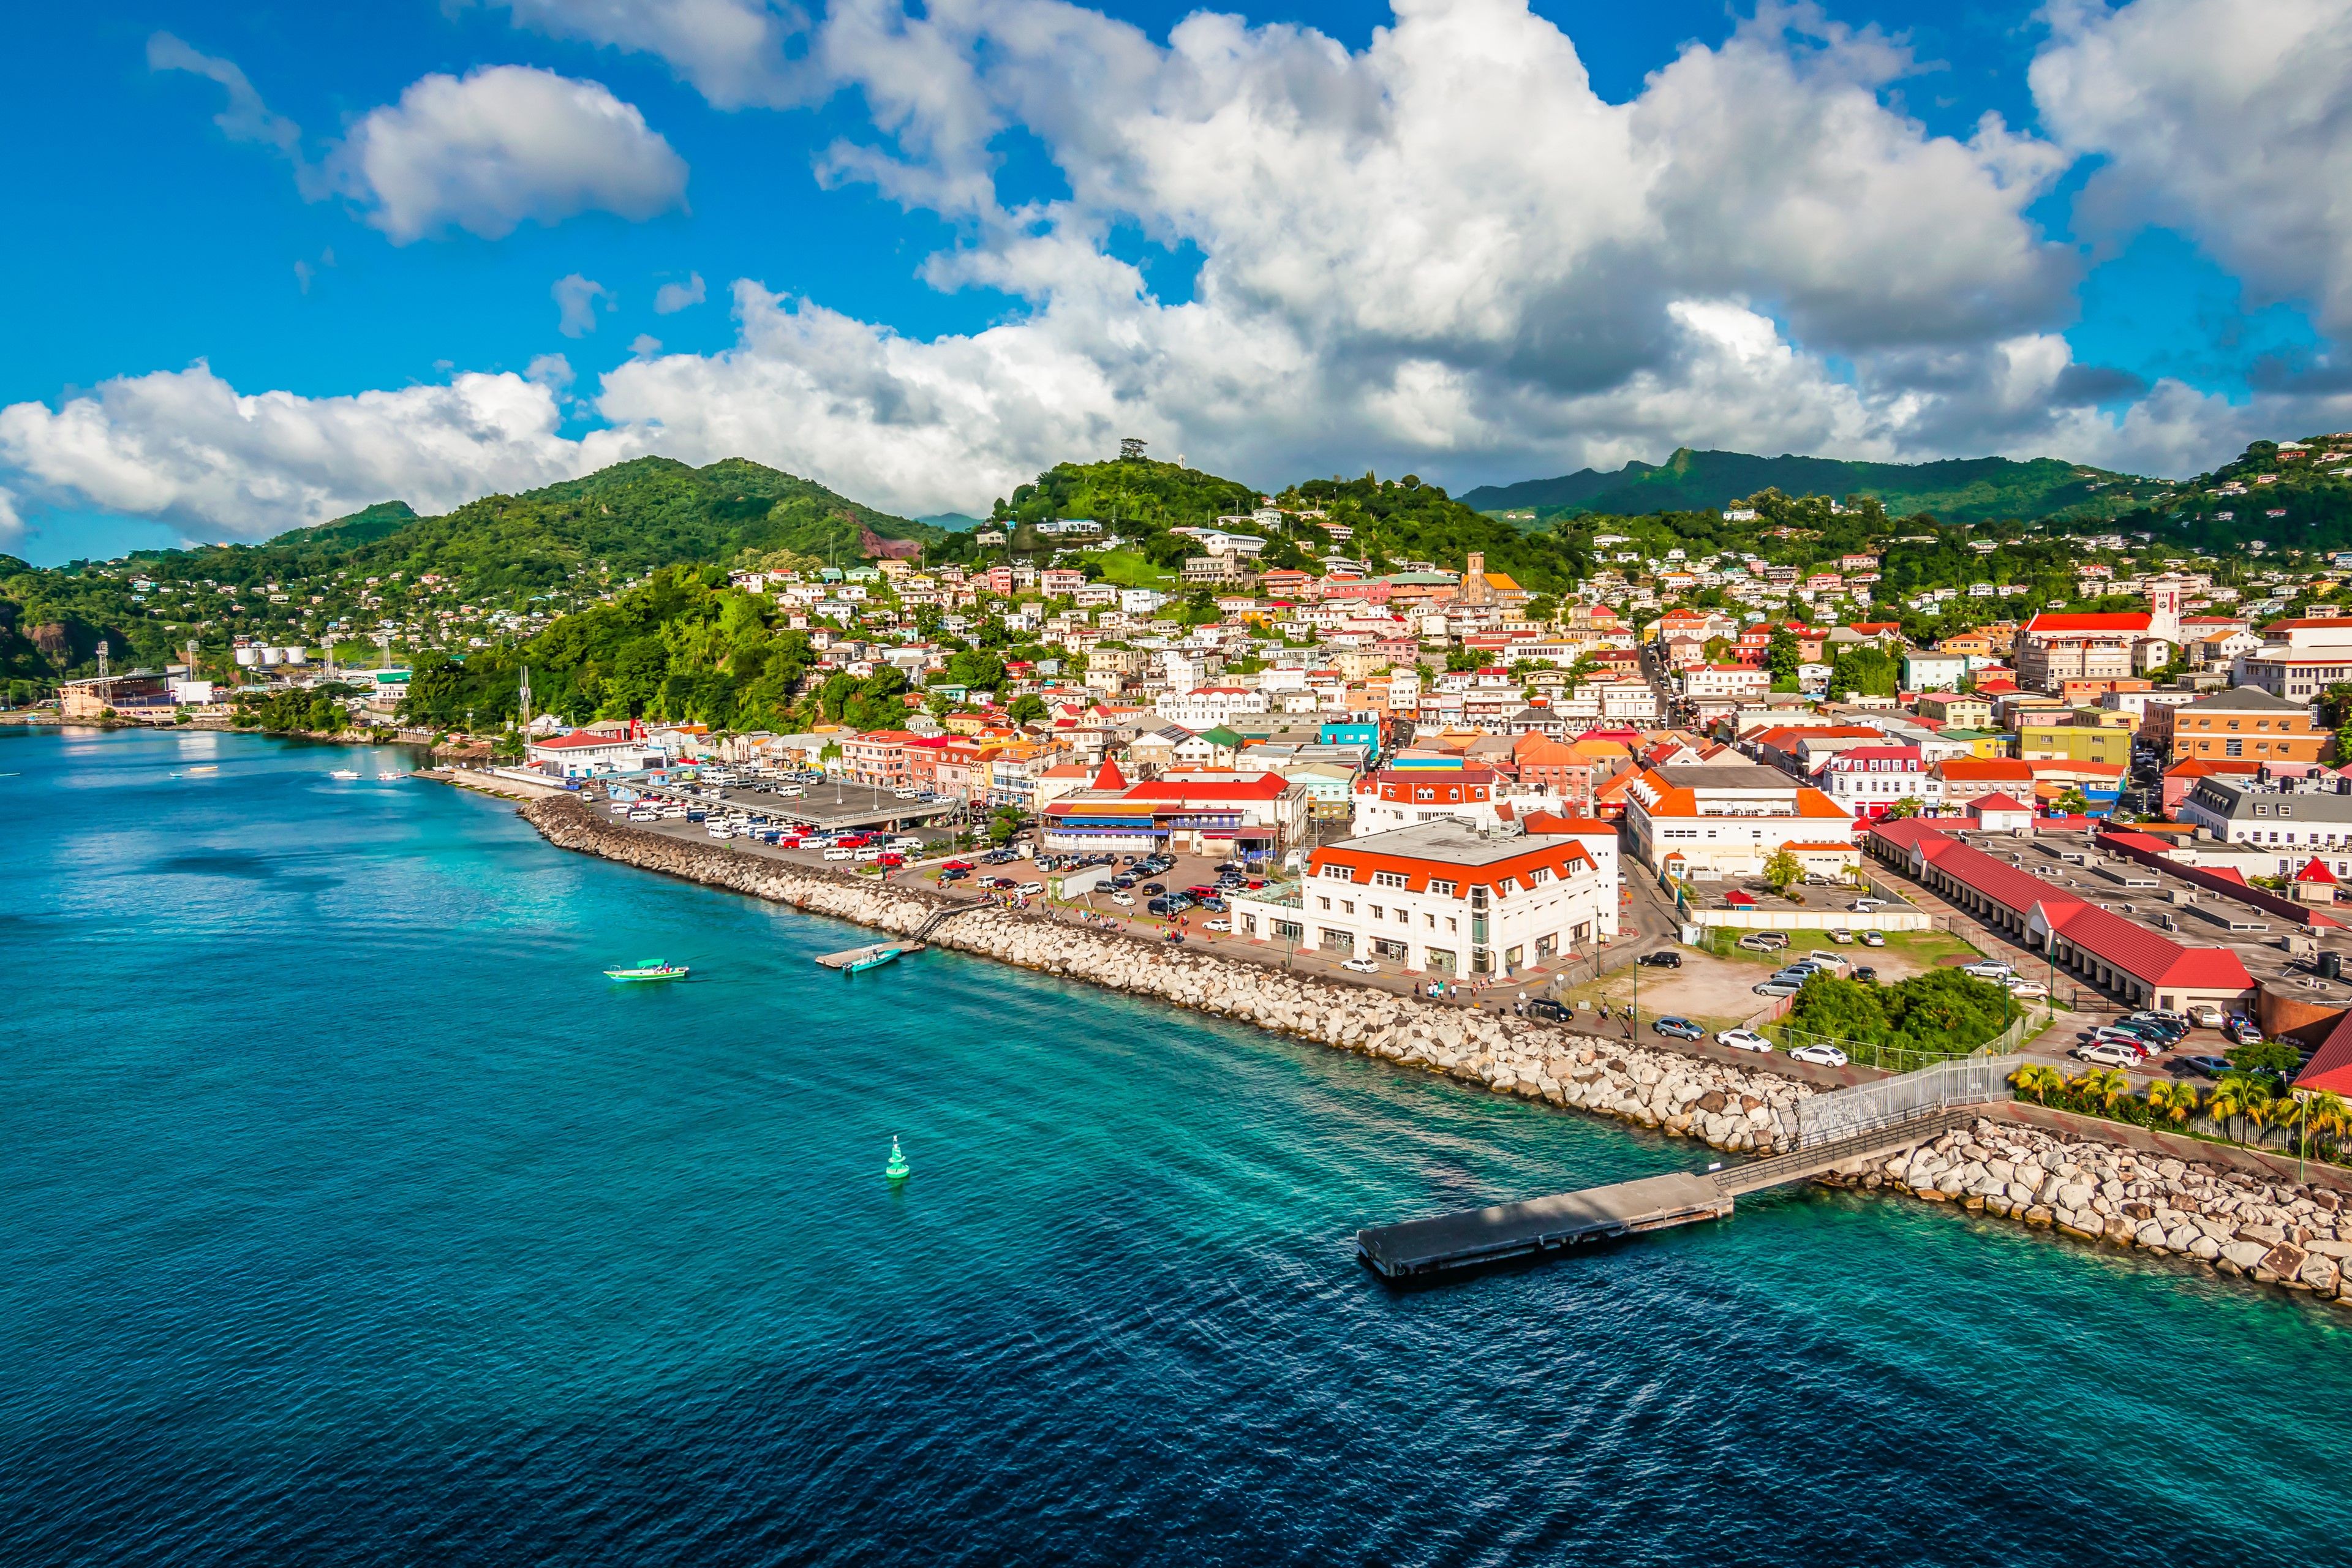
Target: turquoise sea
[{"x": 348, "y": 1215}]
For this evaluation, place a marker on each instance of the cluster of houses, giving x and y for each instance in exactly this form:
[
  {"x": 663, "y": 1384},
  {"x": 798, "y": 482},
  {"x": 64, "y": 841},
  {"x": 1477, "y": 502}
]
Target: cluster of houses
[{"x": 1450, "y": 781}]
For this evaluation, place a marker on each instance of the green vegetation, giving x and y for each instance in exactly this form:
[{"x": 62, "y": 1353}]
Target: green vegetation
[
  {"x": 1942, "y": 1012},
  {"x": 1968, "y": 490},
  {"x": 2240, "y": 1106},
  {"x": 683, "y": 646},
  {"x": 317, "y": 709},
  {"x": 530, "y": 558}
]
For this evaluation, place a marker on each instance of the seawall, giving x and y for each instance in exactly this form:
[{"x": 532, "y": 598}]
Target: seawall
[{"x": 2233, "y": 1220}]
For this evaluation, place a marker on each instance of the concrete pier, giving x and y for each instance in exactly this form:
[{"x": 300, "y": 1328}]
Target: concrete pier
[{"x": 1481, "y": 1236}]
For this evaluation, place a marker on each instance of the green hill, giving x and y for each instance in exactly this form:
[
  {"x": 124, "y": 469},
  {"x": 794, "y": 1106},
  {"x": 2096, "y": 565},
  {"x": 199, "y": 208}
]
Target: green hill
[
  {"x": 2279, "y": 499},
  {"x": 533, "y": 554},
  {"x": 1962, "y": 490}
]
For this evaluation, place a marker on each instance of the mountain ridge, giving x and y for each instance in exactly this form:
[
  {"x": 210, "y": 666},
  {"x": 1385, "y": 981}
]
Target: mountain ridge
[{"x": 1955, "y": 490}]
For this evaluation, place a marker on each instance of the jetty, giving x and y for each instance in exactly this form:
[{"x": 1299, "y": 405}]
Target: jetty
[
  {"x": 1826, "y": 1132},
  {"x": 867, "y": 956}
]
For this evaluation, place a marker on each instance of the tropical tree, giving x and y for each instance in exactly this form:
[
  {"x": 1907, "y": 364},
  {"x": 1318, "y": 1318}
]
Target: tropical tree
[
  {"x": 1783, "y": 870},
  {"x": 1909, "y": 805},
  {"x": 2328, "y": 1113},
  {"x": 2231, "y": 1098},
  {"x": 2037, "y": 1081},
  {"x": 2073, "y": 803},
  {"x": 1027, "y": 709},
  {"x": 2106, "y": 1089},
  {"x": 2173, "y": 1100}
]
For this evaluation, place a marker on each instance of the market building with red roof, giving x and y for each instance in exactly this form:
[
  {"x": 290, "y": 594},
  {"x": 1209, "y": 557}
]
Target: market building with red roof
[{"x": 2145, "y": 968}]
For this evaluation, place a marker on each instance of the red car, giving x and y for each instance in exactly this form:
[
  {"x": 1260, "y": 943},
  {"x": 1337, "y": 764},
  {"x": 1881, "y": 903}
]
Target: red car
[
  {"x": 853, "y": 841},
  {"x": 958, "y": 866},
  {"x": 890, "y": 857}
]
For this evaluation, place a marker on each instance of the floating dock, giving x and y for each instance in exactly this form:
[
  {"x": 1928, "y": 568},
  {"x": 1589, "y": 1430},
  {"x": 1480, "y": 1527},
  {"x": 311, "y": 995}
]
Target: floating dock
[
  {"x": 867, "y": 956},
  {"x": 1418, "y": 1248},
  {"x": 1481, "y": 1236}
]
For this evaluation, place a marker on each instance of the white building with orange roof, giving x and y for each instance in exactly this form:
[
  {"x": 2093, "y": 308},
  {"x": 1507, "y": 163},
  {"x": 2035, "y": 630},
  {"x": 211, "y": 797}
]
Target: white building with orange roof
[
  {"x": 1724, "y": 819},
  {"x": 1444, "y": 898}
]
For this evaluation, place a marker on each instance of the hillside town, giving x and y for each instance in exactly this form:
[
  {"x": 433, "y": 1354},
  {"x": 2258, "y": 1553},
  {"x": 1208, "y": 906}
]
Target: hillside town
[{"x": 1443, "y": 778}]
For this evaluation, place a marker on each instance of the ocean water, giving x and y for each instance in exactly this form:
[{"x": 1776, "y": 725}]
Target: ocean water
[{"x": 348, "y": 1215}]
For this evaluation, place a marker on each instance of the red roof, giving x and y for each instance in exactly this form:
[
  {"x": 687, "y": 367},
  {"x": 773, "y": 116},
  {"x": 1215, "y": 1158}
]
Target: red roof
[
  {"x": 2123, "y": 621},
  {"x": 2330, "y": 1068},
  {"x": 2316, "y": 873},
  {"x": 1110, "y": 777},
  {"x": 578, "y": 739},
  {"x": 2154, "y": 959},
  {"x": 1266, "y": 786},
  {"x": 1984, "y": 803}
]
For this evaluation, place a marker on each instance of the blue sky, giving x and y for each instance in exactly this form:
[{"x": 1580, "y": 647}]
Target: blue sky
[{"x": 1002, "y": 232}]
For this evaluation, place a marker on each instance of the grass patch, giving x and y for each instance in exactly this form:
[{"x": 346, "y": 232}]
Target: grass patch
[{"x": 1127, "y": 569}]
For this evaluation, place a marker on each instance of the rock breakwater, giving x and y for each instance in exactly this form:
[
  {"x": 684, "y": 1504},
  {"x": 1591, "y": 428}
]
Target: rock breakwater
[{"x": 2233, "y": 1222}]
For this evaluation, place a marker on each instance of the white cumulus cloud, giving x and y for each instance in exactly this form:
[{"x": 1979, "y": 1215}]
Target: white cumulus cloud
[
  {"x": 1443, "y": 250},
  {"x": 2229, "y": 119},
  {"x": 575, "y": 304},
  {"x": 497, "y": 148},
  {"x": 187, "y": 448},
  {"x": 672, "y": 298},
  {"x": 734, "y": 52}
]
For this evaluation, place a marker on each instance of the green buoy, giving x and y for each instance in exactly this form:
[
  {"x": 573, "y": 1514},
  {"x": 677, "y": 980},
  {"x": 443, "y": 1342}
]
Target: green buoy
[{"x": 898, "y": 1170}]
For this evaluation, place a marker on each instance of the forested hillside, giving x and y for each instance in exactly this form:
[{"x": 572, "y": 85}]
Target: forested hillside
[
  {"x": 1966, "y": 490},
  {"x": 504, "y": 562}
]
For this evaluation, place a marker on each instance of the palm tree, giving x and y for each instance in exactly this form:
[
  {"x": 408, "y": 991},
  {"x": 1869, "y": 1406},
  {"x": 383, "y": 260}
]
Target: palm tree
[
  {"x": 2229, "y": 1099},
  {"x": 2174, "y": 1099},
  {"x": 2258, "y": 1106},
  {"x": 2326, "y": 1111},
  {"x": 2106, "y": 1088},
  {"x": 2289, "y": 1112},
  {"x": 2036, "y": 1080}
]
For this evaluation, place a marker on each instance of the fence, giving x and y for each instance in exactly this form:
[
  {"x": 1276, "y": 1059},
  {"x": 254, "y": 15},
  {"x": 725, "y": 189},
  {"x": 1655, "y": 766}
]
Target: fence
[
  {"x": 1897, "y": 1058},
  {"x": 1848, "y": 1112}
]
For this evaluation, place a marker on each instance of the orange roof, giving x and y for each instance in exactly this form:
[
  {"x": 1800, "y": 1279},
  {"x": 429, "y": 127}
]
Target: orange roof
[{"x": 1974, "y": 768}]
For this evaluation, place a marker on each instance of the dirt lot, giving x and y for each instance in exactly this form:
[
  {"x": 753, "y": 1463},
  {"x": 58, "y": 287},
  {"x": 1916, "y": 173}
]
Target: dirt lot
[{"x": 1716, "y": 991}]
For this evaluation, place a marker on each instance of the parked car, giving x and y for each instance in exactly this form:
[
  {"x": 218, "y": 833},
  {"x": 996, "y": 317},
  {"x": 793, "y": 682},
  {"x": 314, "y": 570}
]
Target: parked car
[
  {"x": 2165, "y": 1023},
  {"x": 2026, "y": 990},
  {"x": 838, "y": 853},
  {"x": 1864, "y": 906},
  {"x": 1550, "y": 1011},
  {"x": 1842, "y": 937},
  {"x": 1743, "y": 1041},
  {"x": 1820, "y": 1056},
  {"x": 1124, "y": 900},
  {"x": 1764, "y": 942},
  {"x": 2108, "y": 1054},
  {"x": 1361, "y": 966},
  {"x": 1679, "y": 1028},
  {"x": 1829, "y": 961},
  {"x": 1871, "y": 938},
  {"x": 1154, "y": 888},
  {"x": 1664, "y": 958},
  {"x": 2244, "y": 1031},
  {"x": 1218, "y": 925},
  {"x": 1800, "y": 972},
  {"x": 1776, "y": 987},
  {"x": 2206, "y": 1015},
  {"x": 2140, "y": 1050},
  {"x": 1991, "y": 969},
  {"x": 953, "y": 875},
  {"x": 2203, "y": 1066},
  {"x": 1032, "y": 888},
  {"x": 1864, "y": 972}
]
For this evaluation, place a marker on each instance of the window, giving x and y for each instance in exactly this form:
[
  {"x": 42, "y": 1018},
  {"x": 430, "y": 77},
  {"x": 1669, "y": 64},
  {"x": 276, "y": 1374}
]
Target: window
[
  {"x": 1388, "y": 880},
  {"x": 1324, "y": 902},
  {"x": 1442, "y": 890},
  {"x": 1347, "y": 906},
  {"x": 1379, "y": 913}
]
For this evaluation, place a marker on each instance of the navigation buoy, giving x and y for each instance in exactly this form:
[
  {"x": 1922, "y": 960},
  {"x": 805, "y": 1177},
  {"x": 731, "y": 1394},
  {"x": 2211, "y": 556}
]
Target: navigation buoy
[{"x": 898, "y": 1170}]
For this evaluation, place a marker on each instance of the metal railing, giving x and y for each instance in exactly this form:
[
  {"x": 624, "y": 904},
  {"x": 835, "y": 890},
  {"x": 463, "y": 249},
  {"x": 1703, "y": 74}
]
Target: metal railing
[{"x": 1866, "y": 1107}]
